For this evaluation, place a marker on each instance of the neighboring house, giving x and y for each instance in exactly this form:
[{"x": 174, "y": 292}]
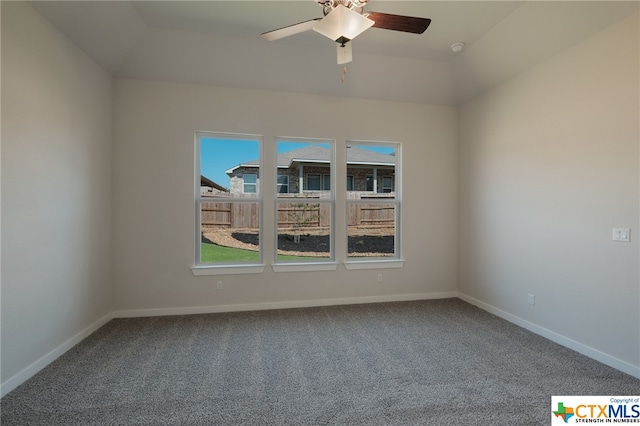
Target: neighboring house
[
  {"x": 209, "y": 187},
  {"x": 307, "y": 169}
]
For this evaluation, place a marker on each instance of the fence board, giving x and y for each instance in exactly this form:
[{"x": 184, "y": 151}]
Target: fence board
[{"x": 247, "y": 215}]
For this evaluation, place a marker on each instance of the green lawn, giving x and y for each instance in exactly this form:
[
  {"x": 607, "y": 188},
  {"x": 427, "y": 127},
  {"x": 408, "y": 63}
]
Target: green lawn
[{"x": 212, "y": 253}]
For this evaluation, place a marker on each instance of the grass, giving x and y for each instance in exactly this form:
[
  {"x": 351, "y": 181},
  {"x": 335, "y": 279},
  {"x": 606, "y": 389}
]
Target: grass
[{"x": 212, "y": 253}]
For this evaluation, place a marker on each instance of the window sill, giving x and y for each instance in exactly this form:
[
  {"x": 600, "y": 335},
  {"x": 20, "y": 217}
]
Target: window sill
[
  {"x": 373, "y": 264},
  {"x": 304, "y": 267},
  {"x": 227, "y": 270}
]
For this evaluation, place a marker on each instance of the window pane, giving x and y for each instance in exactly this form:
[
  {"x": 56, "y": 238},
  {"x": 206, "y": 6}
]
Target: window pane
[
  {"x": 369, "y": 183},
  {"x": 313, "y": 183},
  {"x": 229, "y": 167},
  {"x": 304, "y": 229},
  {"x": 326, "y": 182},
  {"x": 372, "y": 168},
  {"x": 229, "y": 232},
  {"x": 250, "y": 183},
  {"x": 387, "y": 184},
  {"x": 228, "y": 204},
  {"x": 283, "y": 184},
  {"x": 303, "y": 163},
  {"x": 371, "y": 230},
  {"x": 372, "y": 205}
]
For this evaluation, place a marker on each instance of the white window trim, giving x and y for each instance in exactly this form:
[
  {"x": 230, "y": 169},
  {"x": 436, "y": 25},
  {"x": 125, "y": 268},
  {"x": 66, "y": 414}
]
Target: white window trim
[
  {"x": 352, "y": 265},
  {"x": 304, "y": 267},
  {"x": 397, "y": 261},
  {"x": 205, "y": 269},
  {"x": 326, "y": 264},
  {"x": 201, "y": 269}
]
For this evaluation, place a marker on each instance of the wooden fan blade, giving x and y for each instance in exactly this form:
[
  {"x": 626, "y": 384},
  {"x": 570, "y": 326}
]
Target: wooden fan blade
[
  {"x": 408, "y": 24},
  {"x": 290, "y": 30}
]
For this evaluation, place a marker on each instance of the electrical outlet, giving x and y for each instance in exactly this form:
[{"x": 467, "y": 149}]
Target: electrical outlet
[
  {"x": 622, "y": 234},
  {"x": 379, "y": 277},
  {"x": 532, "y": 299},
  {"x": 219, "y": 285}
]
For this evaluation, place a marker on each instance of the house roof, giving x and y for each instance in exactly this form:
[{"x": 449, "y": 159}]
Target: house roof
[
  {"x": 204, "y": 181},
  {"x": 321, "y": 154}
]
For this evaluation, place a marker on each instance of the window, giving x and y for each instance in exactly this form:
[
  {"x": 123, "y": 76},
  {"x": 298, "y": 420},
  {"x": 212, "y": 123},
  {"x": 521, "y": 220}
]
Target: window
[
  {"x": 283, "y": 184},
  {"x": 250, "y": 183},
  {"x": 229, "y": 205},
  {"x": 387, "y": 184},
  {"x": 313, "y": 182},
  {"x": 326, "y": 182},
  {"x": 369, "y": 183},
  {"x": 228, "y": 201},
  {"x": 304, "y": 216},
  {"x": 373, "y": 211}
]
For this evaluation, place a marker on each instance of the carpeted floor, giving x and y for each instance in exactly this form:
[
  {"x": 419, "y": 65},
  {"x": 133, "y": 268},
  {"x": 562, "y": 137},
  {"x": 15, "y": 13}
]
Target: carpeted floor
[{"x": 438, "y": 362}]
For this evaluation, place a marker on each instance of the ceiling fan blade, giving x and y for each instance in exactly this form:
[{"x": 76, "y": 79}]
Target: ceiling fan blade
[
  {"x": 290, "y": 30},
  {"x": 408, "y": 24}
]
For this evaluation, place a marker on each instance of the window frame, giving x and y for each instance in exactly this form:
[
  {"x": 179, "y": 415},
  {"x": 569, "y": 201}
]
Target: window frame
[
  {"x": 325, "y": 182},
  {"x": 397, "y": 261},
  {"x": 253, "y": 184},
  {"x": 323, "y": 264},
  {"x": 206, "y": 268},
  {"x": 390, "y": 188},
  {"x": 280, "y": 185},
  {"x": 367, "y": 179},
  {"x": 330, "y": 198},
  {"x": 351, "y": 179},
  {"x": 307, "y": 176}
]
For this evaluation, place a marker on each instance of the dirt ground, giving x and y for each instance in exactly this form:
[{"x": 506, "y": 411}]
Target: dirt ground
[{"x": 367, "y": 242}]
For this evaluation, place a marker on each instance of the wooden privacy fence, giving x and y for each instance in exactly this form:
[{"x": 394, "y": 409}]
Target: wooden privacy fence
[
  {"x": 294, "y": 215},
  {"x": 371, "y": 215}
]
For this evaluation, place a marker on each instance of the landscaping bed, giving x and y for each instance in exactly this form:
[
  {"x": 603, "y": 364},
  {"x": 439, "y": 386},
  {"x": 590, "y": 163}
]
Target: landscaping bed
[{"x": 362, "y": 242}]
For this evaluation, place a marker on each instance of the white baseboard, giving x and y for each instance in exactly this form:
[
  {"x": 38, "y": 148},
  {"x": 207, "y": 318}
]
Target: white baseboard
[
  {"x": 596, "y": 354},
  {"x": 28, "y": 372},
  {"x": 134, "y": 313},
  {"x": 32, "y": 369}
]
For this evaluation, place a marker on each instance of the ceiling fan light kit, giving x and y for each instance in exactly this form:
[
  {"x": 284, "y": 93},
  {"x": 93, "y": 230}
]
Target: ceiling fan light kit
[
  {"x": 342, "y": 24},
  {"x": 344, "y": 20}
]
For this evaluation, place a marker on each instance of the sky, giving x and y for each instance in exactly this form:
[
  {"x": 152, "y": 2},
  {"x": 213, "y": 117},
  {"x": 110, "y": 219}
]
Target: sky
[{"x": 218, "y": 155}]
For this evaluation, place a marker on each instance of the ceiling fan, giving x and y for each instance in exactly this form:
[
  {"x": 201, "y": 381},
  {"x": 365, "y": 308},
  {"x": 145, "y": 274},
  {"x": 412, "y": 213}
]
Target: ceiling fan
[{"x": 345, "y": 19}]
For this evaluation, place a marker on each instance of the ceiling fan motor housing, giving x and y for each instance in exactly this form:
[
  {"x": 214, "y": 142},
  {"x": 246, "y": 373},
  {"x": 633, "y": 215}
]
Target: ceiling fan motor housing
[{"x": 329, "y": 5}]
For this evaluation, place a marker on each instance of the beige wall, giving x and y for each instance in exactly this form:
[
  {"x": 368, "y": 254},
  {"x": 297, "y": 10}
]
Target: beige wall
[
  {"x": 56, "y": 192},
  {"x": 154, "y": 166},
  {"x": 544, "y": 166},
  {"x": 548, "y": 166}
]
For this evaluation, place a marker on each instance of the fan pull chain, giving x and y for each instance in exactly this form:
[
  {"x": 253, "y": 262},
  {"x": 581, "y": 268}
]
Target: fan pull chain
[{"x": 344, "y": 73}]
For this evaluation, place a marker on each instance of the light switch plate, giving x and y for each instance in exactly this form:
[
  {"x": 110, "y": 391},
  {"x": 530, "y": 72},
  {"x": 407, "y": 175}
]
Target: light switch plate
[{"x": 622, "y": 234}]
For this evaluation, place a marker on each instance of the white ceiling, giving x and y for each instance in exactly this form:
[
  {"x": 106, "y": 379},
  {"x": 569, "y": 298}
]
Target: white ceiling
[{"x": 218, "y": 43}]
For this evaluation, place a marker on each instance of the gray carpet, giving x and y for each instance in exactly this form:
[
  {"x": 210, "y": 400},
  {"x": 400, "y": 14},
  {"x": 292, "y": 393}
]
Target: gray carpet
[{"x": 439, "y": 362}]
